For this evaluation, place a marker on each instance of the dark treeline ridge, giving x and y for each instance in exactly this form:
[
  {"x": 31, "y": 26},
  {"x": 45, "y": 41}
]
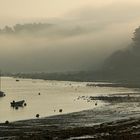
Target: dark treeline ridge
[
  {"x": 70, "y": 76},
  {"x": 28, "y": 28},
  {"x": 125, "y": 64}
]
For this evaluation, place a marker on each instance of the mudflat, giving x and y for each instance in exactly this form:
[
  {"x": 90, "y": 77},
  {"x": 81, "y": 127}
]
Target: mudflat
[{"x": 69, "y": 127}]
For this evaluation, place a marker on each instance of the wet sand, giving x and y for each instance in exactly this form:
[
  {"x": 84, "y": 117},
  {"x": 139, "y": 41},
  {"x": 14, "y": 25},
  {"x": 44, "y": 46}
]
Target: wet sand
[{"x": 65, "y": 127}]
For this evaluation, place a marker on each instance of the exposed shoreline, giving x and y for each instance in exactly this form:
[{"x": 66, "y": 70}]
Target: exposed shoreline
[{"x": 61, "y": 127}]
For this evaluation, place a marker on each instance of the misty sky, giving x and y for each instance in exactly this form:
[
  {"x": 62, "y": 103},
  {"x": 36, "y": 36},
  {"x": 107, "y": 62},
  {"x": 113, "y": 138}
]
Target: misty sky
[
  {"x": 20, "y": 11},
  {"x": 39, "y": 9},
  {"x": 83, "y": 34}
]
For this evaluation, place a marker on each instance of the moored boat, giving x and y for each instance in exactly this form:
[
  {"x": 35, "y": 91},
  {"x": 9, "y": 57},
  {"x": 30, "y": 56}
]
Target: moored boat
[
  {"x": 2, "y": 94},
  {"x": 18, "y": 103}
]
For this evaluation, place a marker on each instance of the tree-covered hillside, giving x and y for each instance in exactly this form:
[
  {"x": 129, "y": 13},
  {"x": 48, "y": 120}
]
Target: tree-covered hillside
[{"x": 124, "y": 64}]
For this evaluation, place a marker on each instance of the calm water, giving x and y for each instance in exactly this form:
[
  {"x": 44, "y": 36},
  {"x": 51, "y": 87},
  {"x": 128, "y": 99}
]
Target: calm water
[{"x": 54, "y": 96}]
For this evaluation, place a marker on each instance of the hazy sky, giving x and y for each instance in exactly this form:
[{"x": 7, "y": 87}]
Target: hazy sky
[
  {"x": 44, "y": 8},
  {"x": 85, "y": 33},
  {"x": 12, "y": 11}
]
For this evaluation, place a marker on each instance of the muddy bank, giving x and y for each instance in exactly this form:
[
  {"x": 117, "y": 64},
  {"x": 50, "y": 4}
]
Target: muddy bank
[
  {"x": 116, "y": 99},
  {"x": 81, "y": 125},
  {"x": 126, "y": 85},
  {"x": 119, "y": 130}
]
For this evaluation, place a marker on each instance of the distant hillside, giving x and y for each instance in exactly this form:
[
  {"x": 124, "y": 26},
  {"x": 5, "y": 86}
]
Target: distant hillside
[
  {"x": 124, "y": 64},
  {"x": 25, "y": 28}
]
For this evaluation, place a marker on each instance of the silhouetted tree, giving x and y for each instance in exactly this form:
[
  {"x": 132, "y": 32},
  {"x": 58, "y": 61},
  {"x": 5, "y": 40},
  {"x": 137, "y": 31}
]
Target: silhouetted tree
[{"x": 136, "y": 37}]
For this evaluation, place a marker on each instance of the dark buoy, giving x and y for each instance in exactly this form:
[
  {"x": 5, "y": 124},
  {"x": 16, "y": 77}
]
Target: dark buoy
[
  {"x": 39, "y": 93},
  {"x": 37, "y": 115},
  {"x": 7, "y": 122},
  {"x": 16, "y": 107},
  {"x": 25, "y": 104},
  {"x": 96, "y": 103},
  {"x": 60, "y": 110}
]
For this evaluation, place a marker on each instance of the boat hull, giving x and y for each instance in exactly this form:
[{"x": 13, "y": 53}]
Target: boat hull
[
  {"x": 2, "y": 94},
  {"x": 16, "y": 104}
]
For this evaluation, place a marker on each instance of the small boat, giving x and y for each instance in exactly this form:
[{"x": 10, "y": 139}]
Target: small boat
[
  {"x": 2, "y": 94},
  {"x": 17, "y": 80},
  {"x": 18, "y": 103}
]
